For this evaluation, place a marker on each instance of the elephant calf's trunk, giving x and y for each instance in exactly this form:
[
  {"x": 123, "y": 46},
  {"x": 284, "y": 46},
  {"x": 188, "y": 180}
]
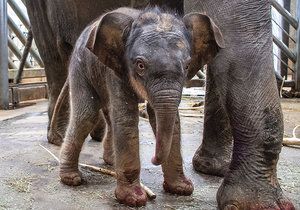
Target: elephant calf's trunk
[{"x": 165, "y": 120}]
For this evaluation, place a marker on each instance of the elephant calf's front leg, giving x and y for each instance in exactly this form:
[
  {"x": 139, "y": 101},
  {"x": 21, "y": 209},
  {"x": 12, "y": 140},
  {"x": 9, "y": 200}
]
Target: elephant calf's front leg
[
  {"x": 126, "y": 144},
  {"x": 175, "y": 181}
]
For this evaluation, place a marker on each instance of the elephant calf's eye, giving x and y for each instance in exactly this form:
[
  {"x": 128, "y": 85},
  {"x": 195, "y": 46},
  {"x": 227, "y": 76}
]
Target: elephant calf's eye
[{"x": 140, "y": 67}]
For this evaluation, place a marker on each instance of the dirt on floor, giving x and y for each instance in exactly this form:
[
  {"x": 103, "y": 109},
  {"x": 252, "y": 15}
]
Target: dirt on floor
[{"x": 29, "y": 175}]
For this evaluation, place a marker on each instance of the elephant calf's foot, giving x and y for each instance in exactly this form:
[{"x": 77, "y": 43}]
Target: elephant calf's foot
[
  {"x": 72, "y": 178},
  {"x": 54, "y": 138},
  {"x": 131, "y": 195},
  {"x": 232, "y": 196},
  {"x": 180, "y": 186},
  {"x": 217, "y": 166}
]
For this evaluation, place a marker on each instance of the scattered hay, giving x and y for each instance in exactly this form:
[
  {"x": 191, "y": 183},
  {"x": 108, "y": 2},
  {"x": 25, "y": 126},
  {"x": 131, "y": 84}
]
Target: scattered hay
[
  {"x": 105, "y": 171},
  {"x": 21, "y": 185}
]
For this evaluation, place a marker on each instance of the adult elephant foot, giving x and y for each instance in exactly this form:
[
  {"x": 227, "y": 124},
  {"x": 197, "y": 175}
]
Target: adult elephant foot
[
  {"x": 131, "y": 194},
  {"x": 251, "y": 194},
  {"x": 180, "y": 186},
  {"x": 207, "y": 163}
]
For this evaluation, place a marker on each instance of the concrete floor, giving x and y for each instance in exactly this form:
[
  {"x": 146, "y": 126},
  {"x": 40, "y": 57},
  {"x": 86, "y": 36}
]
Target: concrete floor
[{"x": 29, "y": 175}]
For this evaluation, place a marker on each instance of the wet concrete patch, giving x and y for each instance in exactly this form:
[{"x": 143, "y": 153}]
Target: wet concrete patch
[{"x": 29, "y": 175}]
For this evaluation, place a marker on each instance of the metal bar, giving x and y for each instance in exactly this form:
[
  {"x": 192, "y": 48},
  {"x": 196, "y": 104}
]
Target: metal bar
[
  {"x": 284, "y": 31},
  {"x": 19, "y": 13},
  {"x": 11, "y": 64},
  {"x": 22, "y": 38},
  {"x": 285, "y": 49},
  {"x": 297, "y": 64},
  {"x": 285, "y": 13},
  {"x": 284, "y": 63},
  {"x": 285, "y": 40},
  {"x": 17, "y": 53},
  {"x": 24, "y": 56},
  {"x": 4, "y": 92}
]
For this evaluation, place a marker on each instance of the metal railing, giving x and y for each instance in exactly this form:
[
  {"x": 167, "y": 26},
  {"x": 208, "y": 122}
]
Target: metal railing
[
  {"x": 288, "y": 54},
  {"x": 13, "y": 60},
  {"x": 19, "y": 34}
]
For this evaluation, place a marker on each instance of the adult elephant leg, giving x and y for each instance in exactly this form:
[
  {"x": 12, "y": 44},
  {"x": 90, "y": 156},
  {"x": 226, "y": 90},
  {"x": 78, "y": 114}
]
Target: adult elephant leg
[
  {"x": 243, "y": 71},
  {"x": 98, "y": 131},
  {"x": 175, "y": 181},
  {"x": 255, "y": 115},
  {"x": 214, "y": 154},
  {"x": 248, "y": 91},
  {"x": 55, "y": 54}
]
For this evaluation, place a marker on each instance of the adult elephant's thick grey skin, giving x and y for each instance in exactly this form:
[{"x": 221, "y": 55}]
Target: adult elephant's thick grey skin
[
  {"x": 246, "y": 109},
  {"x": 56, "y": 25},
  {"x": 148, "y": 54}
]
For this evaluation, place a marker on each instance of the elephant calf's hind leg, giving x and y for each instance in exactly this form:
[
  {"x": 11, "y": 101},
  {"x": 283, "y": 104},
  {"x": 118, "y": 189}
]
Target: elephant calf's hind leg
[
  {"x": 84, "y": 113},
  {"x": 108, "y": 148}
]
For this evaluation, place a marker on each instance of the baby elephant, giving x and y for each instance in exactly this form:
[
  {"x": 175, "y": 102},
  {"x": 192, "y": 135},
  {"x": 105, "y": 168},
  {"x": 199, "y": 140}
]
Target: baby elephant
[{"x": 146, "y": 54}]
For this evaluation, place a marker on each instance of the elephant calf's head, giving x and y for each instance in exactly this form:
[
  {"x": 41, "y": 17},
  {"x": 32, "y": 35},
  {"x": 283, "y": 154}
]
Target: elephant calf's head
[{"x": 157, "y": 51}]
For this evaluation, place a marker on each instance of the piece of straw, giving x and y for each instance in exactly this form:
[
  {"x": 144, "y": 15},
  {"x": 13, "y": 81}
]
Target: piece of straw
[
  {"x": 149, "y": 192},
  {"x": 192, "y": 115},
  {"x": 191, "y": 108},
  {"x": 292, "y": 141}
]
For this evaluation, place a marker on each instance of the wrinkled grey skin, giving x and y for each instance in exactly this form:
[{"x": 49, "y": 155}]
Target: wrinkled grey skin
[
  {"x": 237, "y": 107},
  {"x": 56, "y": 25},
  {"x": 149, "y": 55},
  {"x": 242, "y": 106}
]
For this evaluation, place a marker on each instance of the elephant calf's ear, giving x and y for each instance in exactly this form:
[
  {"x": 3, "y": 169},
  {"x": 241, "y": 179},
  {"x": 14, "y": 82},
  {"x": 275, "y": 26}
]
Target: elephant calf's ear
[
  {"x": 207, "y": 39},
  {"x": 106, "y": 39}
]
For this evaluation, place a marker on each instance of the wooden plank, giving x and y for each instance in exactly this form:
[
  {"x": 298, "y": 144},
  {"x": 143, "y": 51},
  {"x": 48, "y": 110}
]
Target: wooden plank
[
  {"x": 27, "y": 73},
  {"x": 20, "y": 93}
]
